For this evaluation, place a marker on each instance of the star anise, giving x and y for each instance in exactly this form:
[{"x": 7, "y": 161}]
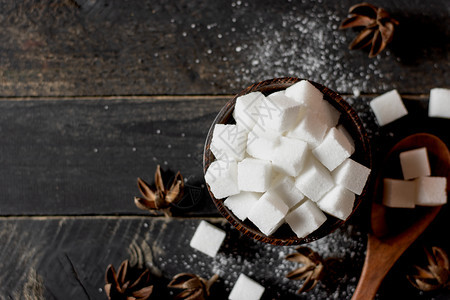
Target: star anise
[
  {"x": 194, "y": 286},
  {"x": 436, "y": 275},
  {"x": 127, "y": 284},
  {"x": 160, "y": 198},
  {"x": 313, "y": 270},
  {"x": 377, "y": 24}
]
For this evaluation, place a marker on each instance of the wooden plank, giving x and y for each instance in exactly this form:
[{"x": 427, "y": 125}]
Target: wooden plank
[
  {"x": 76, "y": 157},
  {"x": 83, "y": 157},
  {"x": 65, "y": 258},
  {"x": 82, "y": 47}
]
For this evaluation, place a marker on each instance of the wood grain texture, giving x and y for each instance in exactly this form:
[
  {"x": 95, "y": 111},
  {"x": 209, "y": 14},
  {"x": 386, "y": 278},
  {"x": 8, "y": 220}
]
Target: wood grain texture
[
  {"x": 66, "y": 257},
  {"x": 83, "y": 157},
  {"x": 77, "y": 157},
  {"x": 99, "y": 47}
]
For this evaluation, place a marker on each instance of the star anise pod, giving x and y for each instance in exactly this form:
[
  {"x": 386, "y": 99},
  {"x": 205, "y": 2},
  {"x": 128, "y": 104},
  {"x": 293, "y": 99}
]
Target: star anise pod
[
  {"x": 127, "y": 284},
  {"x": 160, "y": 198},
  {"x": 194, "y": 286},
  {"x": 436, "y": 275},
  {"x": 377, "y": 24},
  {"x": 313, "y": 270}
]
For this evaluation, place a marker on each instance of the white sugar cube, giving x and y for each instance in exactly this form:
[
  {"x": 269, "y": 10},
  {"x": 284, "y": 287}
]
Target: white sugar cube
[
  {"x": 345, "y": 132},
  {"x": 278, "y": 112},
  {"x": 399, "y": 193},
  {"x": 333, "y": 150},
  {"x": 328, "y": 113},
  {"x": 388, "y": 107},
  {"x": 314, "y": 180},
  {"x": 262, "y": 143},
  {"x": 415, "y": 163},
  {"x": 289, "y": 156},
  {"x": 246, "y": 109},
  {"x": 306, "y": 218},
  {"x": 254, "y": 175},
  {"x": 242, "y": 203},
  {"x": 305, "y": 93},
  {"x": 229, "y": 142},
  {"x": 431, "y": 191},
  {"x": 311, "y": 129},
  {"x": 439, "y": 106},
  {"x": 284, "y": 187},
  {"x": 351, "y": 175},
  {"x": 221, "y": 177},
  {"x": 207, "y": 238},
  {"x": 246, "y": 289},
  {"x": 338, "y": 202},
  {"x": 268, "y": 213}
]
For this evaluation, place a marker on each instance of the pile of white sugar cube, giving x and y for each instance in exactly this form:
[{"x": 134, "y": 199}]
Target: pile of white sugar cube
[
  {"x": 286, "y": 160},
  {"x": 417, "y": 187}
]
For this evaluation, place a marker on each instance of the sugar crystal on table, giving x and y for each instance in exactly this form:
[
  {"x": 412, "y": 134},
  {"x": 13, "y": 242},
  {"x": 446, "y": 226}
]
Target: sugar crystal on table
[
  {"x": 306, "y": 218},
  {"x": 246, "y": 288},
  {"x": 254, "y": 175},
  {"x": 246, "y": 109},
  {"x": 229, "y": 142},
  {"x": 311, "y": 129},
  {"x": 431, "y": 191},
  {"x": 439, "y": 105},
  {"x": 207, "y": 238},
  {"x": 284, "y": 187},
  {"x": 242, "y": 203},
  {"x": 268, "y": 213},
  {"x": 278, "y": 112},
  {"x": 399, "y": 193},
  {"x": 415, "y": 163},
  {"x": 388, "y": 107},
  {"x": 338, "y": 202},
  {"x": 222, "y": 178},
  {"x": 289, "y": 156},
  {"x": 351, "y": 175},
  {"x": 333, "y": 150},
  {"x": 314, "y": 181}
]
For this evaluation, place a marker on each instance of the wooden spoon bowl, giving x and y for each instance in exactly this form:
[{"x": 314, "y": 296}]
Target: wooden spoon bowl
[{"x": 394, "y": 229}]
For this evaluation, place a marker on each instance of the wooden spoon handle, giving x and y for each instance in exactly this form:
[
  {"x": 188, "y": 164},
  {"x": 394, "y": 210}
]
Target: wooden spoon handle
[
  {"x": 382, "y": 255},
  {"x": 379, "y": 260}
]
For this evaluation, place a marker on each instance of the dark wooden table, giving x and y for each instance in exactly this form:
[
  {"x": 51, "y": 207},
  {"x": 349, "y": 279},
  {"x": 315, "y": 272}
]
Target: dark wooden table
[{"x": 95, "y": 93}]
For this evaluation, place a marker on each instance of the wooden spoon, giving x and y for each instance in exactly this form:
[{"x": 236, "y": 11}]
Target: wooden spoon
[{"x": 386, "y": 243}]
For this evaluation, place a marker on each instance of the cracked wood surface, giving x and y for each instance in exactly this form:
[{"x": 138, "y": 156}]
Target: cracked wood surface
[
  {"x": 100, "y": 47},
  {"x": 66, "y": 257}
]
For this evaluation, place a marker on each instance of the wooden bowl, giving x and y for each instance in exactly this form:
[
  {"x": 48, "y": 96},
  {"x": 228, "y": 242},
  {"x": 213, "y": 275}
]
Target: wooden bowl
[{"x": 349, "y": 118}]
